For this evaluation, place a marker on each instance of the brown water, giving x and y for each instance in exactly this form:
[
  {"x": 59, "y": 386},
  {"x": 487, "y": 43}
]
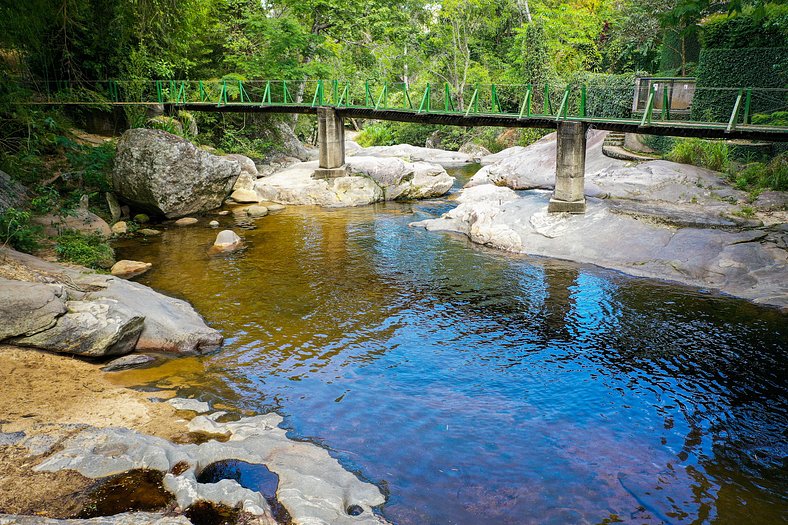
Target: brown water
[{"x": 478, "y": 387}]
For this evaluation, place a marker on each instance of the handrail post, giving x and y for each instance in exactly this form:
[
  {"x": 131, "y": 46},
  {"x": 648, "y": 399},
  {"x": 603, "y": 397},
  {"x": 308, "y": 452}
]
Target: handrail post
[
  {"x": 473, "y": 103},
  {"x": 266, "y": 94},
  {"x": 583, "y": 96},
  {"x": 649, "y": 107},
  {"x": 383, "y": 98},
  {"x": 665, "y": 102},
  {"x": 367, "y": 95},
  {"x": 334, "y": 91},
  {"x": 425, "y": 100},
  {"x": 285, "y": 92},
  {"x": 407, "y": 97},
  {"x": 447, "y": 103},
  {"x": 735, "y": 112},
  {"x": 747, "y": 100},
  {"x": 494, "y": 102},
  {"x": 547, "y": 106},
  {"x": 525, "y": 108}
]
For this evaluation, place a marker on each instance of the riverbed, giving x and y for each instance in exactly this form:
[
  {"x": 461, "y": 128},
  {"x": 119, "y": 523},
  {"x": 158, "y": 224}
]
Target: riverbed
[{"x": 475, "y": 386}]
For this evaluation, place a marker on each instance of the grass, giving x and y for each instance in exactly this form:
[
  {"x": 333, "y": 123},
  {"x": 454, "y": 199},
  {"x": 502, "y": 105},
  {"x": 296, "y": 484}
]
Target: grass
[{"x": 87, "y": 250}]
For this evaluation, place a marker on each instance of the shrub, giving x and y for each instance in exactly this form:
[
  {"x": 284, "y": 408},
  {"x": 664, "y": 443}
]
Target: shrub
[
  {"x": 758, "y": 176},
  {"x": 16, "y": 230},
  {"x": 87, "y": 250},
  {"x": 713, "y": 155}
]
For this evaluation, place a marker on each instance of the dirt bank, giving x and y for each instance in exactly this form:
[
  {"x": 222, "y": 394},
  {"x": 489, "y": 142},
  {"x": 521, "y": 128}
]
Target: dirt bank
[{"x": 49, "y": 396}]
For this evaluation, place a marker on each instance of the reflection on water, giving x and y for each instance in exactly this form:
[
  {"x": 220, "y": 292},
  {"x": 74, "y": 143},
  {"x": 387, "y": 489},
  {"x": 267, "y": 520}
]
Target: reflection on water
[{"x": 478, "y": 387}]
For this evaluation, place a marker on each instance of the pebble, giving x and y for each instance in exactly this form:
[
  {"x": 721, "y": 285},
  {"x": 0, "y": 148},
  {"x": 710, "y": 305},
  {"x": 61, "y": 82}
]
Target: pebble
[
  {"x": 186, "y": 221},
  {"x": 127, "y": 361},
  {"x": 213, "y": 224}
]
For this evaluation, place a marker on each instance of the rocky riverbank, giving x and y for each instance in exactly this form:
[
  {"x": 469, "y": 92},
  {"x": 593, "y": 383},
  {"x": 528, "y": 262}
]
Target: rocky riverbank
[
  {"x": 655, "y": 219},
  {"x": 63, "y": 442}
]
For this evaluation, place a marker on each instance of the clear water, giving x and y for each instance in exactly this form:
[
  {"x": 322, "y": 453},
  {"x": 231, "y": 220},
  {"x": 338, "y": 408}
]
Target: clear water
[{"x": 476, "y": 387}]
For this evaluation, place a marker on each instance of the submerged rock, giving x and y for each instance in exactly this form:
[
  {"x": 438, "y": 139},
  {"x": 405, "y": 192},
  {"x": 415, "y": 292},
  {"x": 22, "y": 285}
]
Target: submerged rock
[
  {"x": 148, "y": 232},
  {"x": 227, "y": 241},
  {"x": 370, "y": 180},
  {"x": 257, "y": 211},
  {"x": 186, "y": 221},
  {"x": 127, "y": 361},
  {"x": 157, "y": 171}
]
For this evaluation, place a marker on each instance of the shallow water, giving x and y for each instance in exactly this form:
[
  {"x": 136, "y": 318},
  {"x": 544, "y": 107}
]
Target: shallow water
[{"x": 479, "y": 387}]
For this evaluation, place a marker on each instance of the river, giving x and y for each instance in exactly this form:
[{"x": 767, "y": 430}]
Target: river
[{"x": 478, "y": 387}]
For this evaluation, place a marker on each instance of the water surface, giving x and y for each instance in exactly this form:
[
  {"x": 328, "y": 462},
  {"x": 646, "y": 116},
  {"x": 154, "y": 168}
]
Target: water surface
[{"x": 479, "y": 387}]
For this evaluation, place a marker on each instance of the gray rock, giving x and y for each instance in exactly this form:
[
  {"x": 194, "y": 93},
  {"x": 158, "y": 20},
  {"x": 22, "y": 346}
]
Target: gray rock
[
  {"x": 171, "y": 325},
  {"x": 474, "y": 151},
  {"x": 114, "y": 206},
  {"x": 158, "y": 171},
  {"x": 128, "y": 361},
  {"x": 213, "y": 224},
  {"x": 12, "y": 194},
  {"x": 290, "y": 145},
  {"x": 81, "y": 220},
  {"x": 11, "y": 438},
  {"x": 148, "y": 232},
  {"x": 772, "y": 200},
  {"x": 90, "y": 328},
  {"x": 195, "y": 405},
  {"x": 371, "y": 179},
  {"x": 313, "y": 486},
  {"x": 28, "y": 308},
  {"x": 127, "y": 518},
  {"x": 257, "y": 211},
  {"x": 410, "y": 153},
  {"x": 735, "y": 262}
]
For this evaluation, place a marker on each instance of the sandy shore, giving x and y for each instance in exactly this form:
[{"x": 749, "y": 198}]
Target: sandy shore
[{"x": 40, "y": 394}]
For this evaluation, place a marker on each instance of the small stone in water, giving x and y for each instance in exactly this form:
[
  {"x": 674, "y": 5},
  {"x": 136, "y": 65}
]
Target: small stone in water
[
  {"x": 213, "y": 224},
  {"x": 355, "y": 510},
  {"x": 186, "y": 221}
]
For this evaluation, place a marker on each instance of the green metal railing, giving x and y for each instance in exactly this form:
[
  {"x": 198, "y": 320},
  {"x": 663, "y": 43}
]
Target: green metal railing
[{"x": 734, "y": 107}]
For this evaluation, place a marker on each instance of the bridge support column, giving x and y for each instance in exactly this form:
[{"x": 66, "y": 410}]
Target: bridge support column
[
  {"x": 331, "y": 139},
  {"x": 570, "y": 166}
]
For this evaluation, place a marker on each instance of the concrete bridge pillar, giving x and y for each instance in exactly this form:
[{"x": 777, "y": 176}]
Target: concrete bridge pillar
[
  {"x": 331, "y": 139},
  {"x": 570, "y": 167}
]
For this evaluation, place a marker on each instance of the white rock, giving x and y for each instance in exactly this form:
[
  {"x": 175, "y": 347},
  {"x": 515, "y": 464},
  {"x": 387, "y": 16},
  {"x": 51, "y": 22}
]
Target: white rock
[{"x": 195, "y": 405}]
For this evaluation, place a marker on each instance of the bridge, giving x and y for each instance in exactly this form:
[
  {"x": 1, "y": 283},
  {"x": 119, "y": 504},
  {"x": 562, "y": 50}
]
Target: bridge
[{"x": 571, "y": 111}]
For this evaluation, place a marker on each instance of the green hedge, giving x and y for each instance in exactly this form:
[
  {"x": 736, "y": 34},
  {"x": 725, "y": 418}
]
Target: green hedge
[
  {"x": 765, "y": 67},
  {"x": 607, "y": 95},
  {"x": 746, "y": 30}
]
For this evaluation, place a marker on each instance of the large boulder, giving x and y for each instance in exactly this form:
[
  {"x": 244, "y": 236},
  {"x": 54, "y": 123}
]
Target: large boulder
[
  {"x": 410, "y": 153},
  {"x": 92, "y": 314},
  {"x": 249, "y": 174},
  {"x": 27, "y": 308},
  {"x": 89, "y": 328},
  {"x": 161, "y": 173},
  {"x": 368, "y": 180}
]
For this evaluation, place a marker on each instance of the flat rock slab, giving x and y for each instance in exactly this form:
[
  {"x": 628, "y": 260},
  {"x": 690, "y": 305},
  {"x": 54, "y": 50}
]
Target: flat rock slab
[
  {"x": 313, "y": 486},
  {"x": 128, "y": 361},
  {"x": 409, "y": 153},
  {"x": 195, "y": 405},
  {"x": 127, "y": 518},
  {"x": 742, "y": 263}
]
